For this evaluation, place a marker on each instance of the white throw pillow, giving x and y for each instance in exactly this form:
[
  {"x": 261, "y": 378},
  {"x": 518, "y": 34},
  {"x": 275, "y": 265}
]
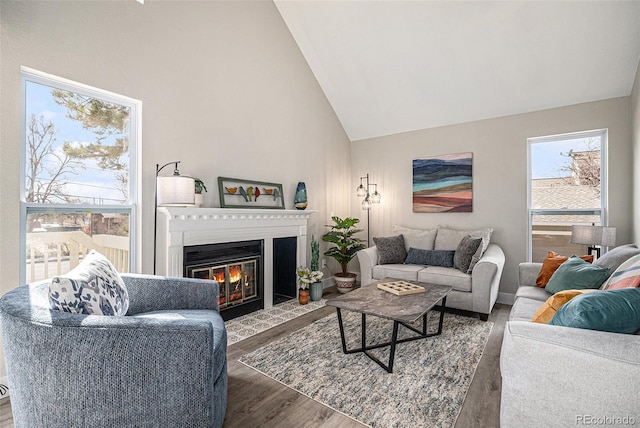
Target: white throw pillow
[
  {"x": 94, "y": 287},
  {"x": 416, "y": 238}
]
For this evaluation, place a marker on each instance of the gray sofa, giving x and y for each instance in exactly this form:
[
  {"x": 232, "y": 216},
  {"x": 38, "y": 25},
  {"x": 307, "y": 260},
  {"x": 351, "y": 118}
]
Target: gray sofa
[
  {"x": 564, "y": 377},
  {"x": 163, "y": 364},
  {"x": 476, "y": 292}
]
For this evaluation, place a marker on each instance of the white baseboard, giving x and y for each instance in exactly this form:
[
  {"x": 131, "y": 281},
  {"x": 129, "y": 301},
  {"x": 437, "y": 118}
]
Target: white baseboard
[
  {"x": 506, "y": 298},
  {"x": 4, "y": 388}
]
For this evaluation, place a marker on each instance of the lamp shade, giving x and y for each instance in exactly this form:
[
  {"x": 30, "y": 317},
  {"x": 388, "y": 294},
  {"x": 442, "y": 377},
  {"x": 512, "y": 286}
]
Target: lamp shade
[
  {"x": 176, "y": 190},
  {"x": 593, "y": 235}
]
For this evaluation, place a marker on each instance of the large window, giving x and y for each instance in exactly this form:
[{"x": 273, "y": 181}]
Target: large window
[
  {"x": 79, "y": 175},
  {"x": 566, "y": 187}
]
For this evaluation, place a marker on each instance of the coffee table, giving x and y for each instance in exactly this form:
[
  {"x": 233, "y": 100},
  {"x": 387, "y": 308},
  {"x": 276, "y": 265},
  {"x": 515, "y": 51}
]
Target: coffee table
[{"x": 402, "y": 310}]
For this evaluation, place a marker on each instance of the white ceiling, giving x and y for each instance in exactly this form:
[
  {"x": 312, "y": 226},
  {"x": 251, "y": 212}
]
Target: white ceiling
[{"x": 395, "y": 66}]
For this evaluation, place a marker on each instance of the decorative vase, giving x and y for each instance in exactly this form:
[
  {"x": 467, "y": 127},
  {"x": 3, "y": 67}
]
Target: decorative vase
[
  {"x": 344, "y": 284},
  {"x": 300, "y": 201},
  {"x": 316, "y": 291},
  {"x": 199, "y": 200},
  {"x": 303, "y": 297}
]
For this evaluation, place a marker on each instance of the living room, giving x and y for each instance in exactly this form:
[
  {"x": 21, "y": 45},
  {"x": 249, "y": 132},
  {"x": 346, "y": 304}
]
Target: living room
[{"x": 226, "y": 90}]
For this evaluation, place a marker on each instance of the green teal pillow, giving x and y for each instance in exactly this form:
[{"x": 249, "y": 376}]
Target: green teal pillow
[
  {"x": 576, "y": 274},
  {"x": 616, "y": 311}
]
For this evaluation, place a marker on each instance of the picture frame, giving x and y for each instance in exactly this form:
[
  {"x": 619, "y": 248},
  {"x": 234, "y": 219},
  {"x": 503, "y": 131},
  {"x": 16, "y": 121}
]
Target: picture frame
[
  {"x": 443, "y": 184},
  {"x": 241, "y": 193}
]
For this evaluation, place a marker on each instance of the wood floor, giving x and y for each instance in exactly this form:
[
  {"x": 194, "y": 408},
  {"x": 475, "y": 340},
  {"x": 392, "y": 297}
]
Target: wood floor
[{"x": 255, "y": 400}]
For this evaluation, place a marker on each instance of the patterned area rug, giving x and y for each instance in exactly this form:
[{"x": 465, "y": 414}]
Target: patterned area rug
[
  {"x": 247, "y": 325},
  {"x": 428, "y": 385}
]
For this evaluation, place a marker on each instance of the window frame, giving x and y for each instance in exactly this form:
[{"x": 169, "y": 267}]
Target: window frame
[
  {"x": 133, "y": 208},
  {"x": 602, "y": 211}
]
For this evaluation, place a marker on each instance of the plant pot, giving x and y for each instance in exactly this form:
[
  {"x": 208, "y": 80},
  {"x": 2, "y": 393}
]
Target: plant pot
[
  {"x": 316, "y": 291},
  {"x": 303, "y": 297},
  {"x": 199, "y": 200},
  {"x": 344, "y": 284}
]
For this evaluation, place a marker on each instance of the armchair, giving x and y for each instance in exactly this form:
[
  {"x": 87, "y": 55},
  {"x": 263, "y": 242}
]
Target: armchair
[{"x": 163, "y": 364}]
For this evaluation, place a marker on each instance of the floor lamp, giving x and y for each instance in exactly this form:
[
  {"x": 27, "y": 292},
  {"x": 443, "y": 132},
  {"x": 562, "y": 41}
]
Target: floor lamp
[
  {"x": 173, "y": 190},
  {"x": 369, "y": 198}
]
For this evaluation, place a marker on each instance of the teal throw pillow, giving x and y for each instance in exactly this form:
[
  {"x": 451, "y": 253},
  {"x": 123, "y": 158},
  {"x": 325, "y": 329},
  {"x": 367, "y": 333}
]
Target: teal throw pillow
[
  {"x": 616, "y": 311},
  {"x": 576, "y": 274}
]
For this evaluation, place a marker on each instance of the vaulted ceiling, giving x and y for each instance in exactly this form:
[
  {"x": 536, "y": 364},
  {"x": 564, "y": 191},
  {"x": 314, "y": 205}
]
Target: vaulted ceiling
[{"x": 393, "y": 66}]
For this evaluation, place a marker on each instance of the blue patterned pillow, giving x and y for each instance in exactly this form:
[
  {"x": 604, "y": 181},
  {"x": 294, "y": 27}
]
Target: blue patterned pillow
[{"x": 94, "y": 287}]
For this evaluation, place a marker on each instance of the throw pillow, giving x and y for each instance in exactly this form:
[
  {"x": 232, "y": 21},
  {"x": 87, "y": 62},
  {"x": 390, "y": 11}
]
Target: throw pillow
[
  {"x": 616, "y": 311},
  {"x": 91, "y": 288},
  {"x": 627, "y": 275},
  {"x": 449, "y": 238},
  {"x": 613, "y": 258},
  {"x": 390, "y": 249},
  {"x": 549, "y": 308},
  {"x": 416, "y": 238},
  {"x": 441, "y": 258},
  {"x": 551, "y": 263},
  {"x": 465, "y": 251},
  {"x": 576, "y": 274}
]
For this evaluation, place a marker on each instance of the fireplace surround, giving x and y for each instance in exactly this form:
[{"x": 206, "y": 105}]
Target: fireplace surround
[{"x": 180, "y": 227}]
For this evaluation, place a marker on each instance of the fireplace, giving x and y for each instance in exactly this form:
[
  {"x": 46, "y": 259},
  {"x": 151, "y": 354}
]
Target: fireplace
[
  {"x": 237, "y": 267},
  {"x": 281, "y": 232}
]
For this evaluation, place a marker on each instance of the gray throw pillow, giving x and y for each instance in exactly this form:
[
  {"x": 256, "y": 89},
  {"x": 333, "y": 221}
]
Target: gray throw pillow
[
  {"x": 441, "y": 258},
  {"x": 390, "y": 249},
  {"x": 465, "y": 251},
  {"x": 615, "y": 257}
]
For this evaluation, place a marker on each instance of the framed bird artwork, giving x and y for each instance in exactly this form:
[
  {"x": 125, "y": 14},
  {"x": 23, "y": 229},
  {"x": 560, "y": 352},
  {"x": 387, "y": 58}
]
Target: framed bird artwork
[{"x": 240, "y": 193}]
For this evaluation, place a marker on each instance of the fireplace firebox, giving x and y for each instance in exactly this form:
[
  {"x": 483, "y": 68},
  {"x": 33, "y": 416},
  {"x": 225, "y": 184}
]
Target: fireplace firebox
[{"x": 237, "y": 267}]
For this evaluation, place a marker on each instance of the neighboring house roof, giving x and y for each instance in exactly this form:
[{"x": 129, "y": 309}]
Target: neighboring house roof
[{"x": 562, "y": 193}]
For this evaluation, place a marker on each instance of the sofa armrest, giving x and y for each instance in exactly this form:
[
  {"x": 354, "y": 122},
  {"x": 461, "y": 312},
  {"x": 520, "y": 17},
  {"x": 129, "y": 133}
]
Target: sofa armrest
[
  {"x": 554, "y": 376},
  {"x": 153, "y": 293},
  {"x": 485, "y": 279},
  {"x": 367, "y": 258},
  {"x": 528, "y": 273}
]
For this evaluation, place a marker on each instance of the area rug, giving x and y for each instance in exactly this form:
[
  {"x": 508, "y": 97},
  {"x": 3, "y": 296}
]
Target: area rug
[
  {"x": 256, "y": 322},
  {"x": 428, "y": 385}
]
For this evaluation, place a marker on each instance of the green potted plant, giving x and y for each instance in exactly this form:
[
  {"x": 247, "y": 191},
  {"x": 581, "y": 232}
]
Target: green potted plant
[
  {"x": 346, "y": 245},
  {"x": 199, "y": 188},
  {"x": 315, "y": 288}
]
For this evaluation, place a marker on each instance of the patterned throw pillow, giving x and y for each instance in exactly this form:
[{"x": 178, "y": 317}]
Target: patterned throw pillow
[
  {"x": 627, "y": 275},
  {"x": 448, "y": 239},
  {"x": 464, "y": 253},
  {"x": 390, "y": 249},
  {"x": 91, "y": 288}
]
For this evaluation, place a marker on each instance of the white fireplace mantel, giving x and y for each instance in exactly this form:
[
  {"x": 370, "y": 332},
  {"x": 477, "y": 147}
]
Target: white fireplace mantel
[{"x": 180, "y": 227}]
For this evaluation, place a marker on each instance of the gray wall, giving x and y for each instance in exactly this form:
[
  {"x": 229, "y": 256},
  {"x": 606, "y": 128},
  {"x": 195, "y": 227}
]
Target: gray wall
[
  {"x": 224, "y": 89},
  {"x": 635, "y": 125},
  {"x": 499, "y": 149}
]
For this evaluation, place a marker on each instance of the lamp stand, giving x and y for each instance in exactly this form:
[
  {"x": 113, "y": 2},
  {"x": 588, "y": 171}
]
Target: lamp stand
[
  {"x": 155, "y": 210},
  {"x": 363, "y": 190}
]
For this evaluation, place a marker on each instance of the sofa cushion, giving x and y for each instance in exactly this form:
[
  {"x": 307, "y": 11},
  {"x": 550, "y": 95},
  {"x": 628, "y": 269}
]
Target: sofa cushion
[
  {"x": 551, "y": 264},
  {"x": 397, "y": 271},
  {"x": 576, "y": 274},
  {"x": 390, "y": 249},
  {"x": 627, "y": 275},
  {"x": 523, "y": 309},
  {"x": 616, "y": 311},
  {"x": 549, "y": 308},
  {"x": 531, "y": 292},
  {"x": 416, "y": 238},
  {"x": 94, "y": 287},
  {"x": 449, "y": 238},
  {"x": 446, "y": 276},
  {"x": 613, "y": 258},
  {"x": 430, "y": 257},
  {"x": 464, "y": 253}
]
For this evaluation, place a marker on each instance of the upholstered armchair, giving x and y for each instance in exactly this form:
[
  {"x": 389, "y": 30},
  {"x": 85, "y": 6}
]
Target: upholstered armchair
[{"x": 163, "y": 364}]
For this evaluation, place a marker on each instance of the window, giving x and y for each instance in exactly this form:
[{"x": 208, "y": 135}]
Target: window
[
  {"x": 79, "y": 175},
  {"x": 566, "y": 187}
]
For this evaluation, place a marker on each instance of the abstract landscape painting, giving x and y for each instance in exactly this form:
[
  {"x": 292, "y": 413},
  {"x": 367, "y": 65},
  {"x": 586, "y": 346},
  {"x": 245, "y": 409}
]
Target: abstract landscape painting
[{"x": 443, "y": 184}]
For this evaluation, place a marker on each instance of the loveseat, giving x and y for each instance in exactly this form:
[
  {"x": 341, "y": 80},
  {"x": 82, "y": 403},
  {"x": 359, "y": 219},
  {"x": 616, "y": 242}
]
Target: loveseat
[
  {"x": 561, "y": 376},
  {"x": 163, "y": 364},
  {"x": 475, "y": 289}
]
